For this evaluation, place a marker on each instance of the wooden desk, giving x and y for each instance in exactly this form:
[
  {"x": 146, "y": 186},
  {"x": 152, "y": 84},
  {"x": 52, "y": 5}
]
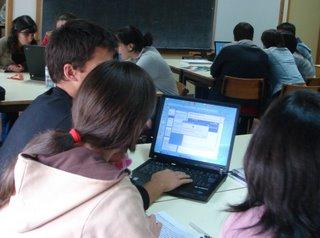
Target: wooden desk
[
  {"x": 200, "y": 78},
  {"x": 19, "y": 94}
]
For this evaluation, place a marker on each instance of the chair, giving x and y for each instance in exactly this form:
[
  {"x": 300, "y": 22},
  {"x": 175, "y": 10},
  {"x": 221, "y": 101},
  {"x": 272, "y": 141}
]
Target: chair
[
  {"x": 313, "y": 81},
  {"x": 249, "y": 93},
  {"x": 317, "y": 70},
  {"x": 182, "y": 90},
  {"x": 291, "y": 88}
]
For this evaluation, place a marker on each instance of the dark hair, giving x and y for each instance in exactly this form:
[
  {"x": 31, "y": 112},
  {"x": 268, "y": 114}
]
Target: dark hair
[
  {"x": 282, "y": 166},
  {"x": 66, "y": 17},
  {"x": 75, "y": 43},
  {"x": 133, "y": 35},
  {"x": 110, "y": 110},
  {"x": 288, "y": 27},
  {"x": 272, "y": 38},
  {"x": 20, "y": 23},
  {"x": 242, "y": 31},
  {"x": 290, "y": 41}
]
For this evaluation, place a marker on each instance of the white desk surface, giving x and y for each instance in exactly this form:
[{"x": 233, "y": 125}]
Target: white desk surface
[
  {"x": 208, "y": 216},
  {"x": 176, "y": 63},
  {"x": 20, "y": 91},
  {"x": 240, "y": 145}
]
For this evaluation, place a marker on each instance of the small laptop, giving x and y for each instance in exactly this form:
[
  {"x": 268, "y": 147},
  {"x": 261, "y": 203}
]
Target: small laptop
[
  {"x": 218, "y": 45},
  {"x": 35, "y": 61},
  {"x": 193, "y": 136}
]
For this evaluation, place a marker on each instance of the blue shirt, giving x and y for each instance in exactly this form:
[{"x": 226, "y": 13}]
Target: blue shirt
[{"x": 282, "y": 69}]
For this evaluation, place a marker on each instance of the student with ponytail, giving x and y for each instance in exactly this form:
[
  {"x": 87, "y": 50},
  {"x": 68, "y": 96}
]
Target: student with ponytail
[
  {"x": 74, "y": 184},
  {"x": 136, "y": 47}
]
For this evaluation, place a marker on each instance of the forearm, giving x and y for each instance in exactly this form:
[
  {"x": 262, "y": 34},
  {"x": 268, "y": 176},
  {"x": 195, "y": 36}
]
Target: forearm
[{"x": 154, "y": 190}]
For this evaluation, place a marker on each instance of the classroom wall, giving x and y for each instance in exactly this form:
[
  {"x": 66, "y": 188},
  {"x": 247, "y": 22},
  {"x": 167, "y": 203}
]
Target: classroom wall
[
  {"x": 305, "y": 15},
  {"x": 261, "y": 14},
  {"x": 24, "y": 7}
]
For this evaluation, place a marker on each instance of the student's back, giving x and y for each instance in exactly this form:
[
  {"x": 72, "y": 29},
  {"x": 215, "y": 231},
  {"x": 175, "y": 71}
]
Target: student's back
[
  {"x": 283, "y": 69},
  {"x": 74, "y": 184},
  {"x": 242, "y": 61},
  {"x": 51, "y": 110},
  {"x": 151, "y": 61}
]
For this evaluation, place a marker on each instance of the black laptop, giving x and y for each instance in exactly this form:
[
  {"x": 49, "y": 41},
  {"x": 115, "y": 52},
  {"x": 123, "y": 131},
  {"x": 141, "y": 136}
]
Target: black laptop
[
  {"x": 193, "y": 136},
  {"x": 35, "y": 61}
]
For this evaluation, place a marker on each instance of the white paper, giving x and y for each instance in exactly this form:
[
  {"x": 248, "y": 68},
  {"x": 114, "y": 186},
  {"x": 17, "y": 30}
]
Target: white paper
[
  {"x": 196, "y": 61},
  {"x": 172, "y": 229}
]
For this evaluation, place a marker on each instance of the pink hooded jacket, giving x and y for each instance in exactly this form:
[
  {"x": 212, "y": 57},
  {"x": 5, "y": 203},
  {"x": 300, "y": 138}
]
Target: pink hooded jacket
[{"x": 68, "y": 202}]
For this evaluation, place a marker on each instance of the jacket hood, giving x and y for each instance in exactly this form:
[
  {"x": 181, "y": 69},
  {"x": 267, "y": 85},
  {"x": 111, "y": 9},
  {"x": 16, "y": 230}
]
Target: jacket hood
[{"x": 44, "y": 193}]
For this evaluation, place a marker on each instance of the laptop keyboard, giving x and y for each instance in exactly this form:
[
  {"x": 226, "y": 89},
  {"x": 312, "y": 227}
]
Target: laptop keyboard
[{"x": 201, "y": 179}]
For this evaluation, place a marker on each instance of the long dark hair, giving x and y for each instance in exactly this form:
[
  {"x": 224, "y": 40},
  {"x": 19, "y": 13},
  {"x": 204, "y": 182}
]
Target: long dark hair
[
  {"x": 112, "y": 106},
  {"x": 282, "y": 167},
  {"x": 133, "y": 35},
  {"x": 24, "y": 22}
]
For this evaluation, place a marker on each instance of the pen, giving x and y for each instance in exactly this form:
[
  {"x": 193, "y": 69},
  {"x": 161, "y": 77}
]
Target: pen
[{"x": 199, "y": 230}]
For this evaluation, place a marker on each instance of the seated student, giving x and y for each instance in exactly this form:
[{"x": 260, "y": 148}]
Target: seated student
[
  {"x": 73, "y": 51},
  {"x": 243, "y": 59},
  {"x": 302, "y": 48},
  {"x": 306, "y": 69},
  {"x": 12, "y": 56},
  {"x": 282, "y": 173},
  {"x": 137, "y": 47},
  {"x": 60, "y": 21},
  {"x": 283, "y": 69},
  {"x": 76, "y": 181}
]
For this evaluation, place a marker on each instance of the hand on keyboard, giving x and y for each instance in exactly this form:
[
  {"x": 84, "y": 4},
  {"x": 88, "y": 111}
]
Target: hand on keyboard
[
  {"x": 165, "y": 181},
  {"x": 168, "y": 179}
]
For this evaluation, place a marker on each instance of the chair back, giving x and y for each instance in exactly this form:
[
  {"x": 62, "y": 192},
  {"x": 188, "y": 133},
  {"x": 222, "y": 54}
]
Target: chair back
[
  {"x": 249, "y": 94},
  {"x": 291, "y": 88},
  {"x": 313, "y": 81},
  {"x": 243, "y": 88},
  {"x": 317, "y": 70}
]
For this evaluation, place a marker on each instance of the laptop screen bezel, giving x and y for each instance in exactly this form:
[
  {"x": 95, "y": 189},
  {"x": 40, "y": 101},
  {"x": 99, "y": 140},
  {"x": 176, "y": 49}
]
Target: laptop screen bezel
[
  {"x": 176, "y": 159},
  {"x": 33, "y": 62}
]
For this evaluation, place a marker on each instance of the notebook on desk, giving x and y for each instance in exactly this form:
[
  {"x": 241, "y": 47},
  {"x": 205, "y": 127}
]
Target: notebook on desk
[
  {"x": 35, "y": 61},
  {"x": 193, "y": 136}
]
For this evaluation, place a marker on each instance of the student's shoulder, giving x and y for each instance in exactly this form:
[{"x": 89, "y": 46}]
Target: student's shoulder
[
  {"x": 238, "y": 221},
  {"x": 53, "y": 101},
  {"x": 150, "y": 53}
]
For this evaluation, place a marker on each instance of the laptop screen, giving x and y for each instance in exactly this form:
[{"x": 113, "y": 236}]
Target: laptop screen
[
  {"x": 196, "y": 130},
  {"x": 218, "y": 45}
]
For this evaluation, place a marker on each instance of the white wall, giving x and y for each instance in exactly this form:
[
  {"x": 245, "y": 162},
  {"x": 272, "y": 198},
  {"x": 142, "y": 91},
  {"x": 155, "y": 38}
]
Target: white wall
[
  {"x": 24, "y": 7},
  {"x": 262, "y": 14}
]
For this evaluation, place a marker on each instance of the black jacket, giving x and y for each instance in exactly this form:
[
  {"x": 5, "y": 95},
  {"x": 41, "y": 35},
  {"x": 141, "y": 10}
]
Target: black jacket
[
  {"x": 51, "y": 110},
  {"x": 239, "y": 61}
]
